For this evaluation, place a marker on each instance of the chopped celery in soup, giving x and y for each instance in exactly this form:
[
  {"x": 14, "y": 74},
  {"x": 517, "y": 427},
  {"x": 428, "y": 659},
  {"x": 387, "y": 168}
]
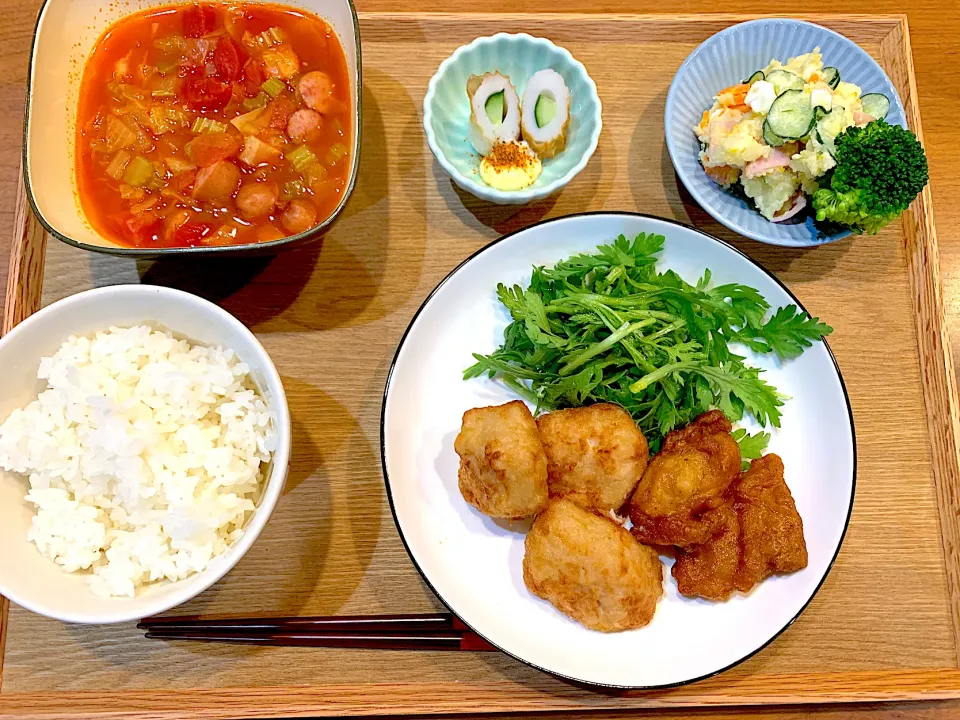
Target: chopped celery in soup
[{"x": 213, "y": 125}]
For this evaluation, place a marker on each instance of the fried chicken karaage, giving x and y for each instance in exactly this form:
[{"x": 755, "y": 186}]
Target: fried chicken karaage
[
  {"x": 760, "y": 533},
  {"x": 771, "y": 531},
  {"x": 591, "y": 569},
  {"x": 503, "y": 468},
  {"x": 709, "y": 570},
  {"x": 685, "y": 482},
  {"x": 596, "y": 455}
]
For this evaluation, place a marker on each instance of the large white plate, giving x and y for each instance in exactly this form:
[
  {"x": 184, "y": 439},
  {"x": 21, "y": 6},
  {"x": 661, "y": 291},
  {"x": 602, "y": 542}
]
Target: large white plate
[{"x": 474, "y": 563}]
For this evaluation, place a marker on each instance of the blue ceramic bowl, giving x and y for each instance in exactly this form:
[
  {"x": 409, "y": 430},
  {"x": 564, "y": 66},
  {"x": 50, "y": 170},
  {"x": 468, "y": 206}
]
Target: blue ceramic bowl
[
  {"x": 727, "y": 58},
  {"x": 446, "y": 111}
]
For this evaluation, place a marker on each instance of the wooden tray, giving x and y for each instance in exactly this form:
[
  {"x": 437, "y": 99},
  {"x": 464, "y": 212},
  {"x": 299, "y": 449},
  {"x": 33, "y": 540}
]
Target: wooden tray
[{"x": 883, "y": 627}]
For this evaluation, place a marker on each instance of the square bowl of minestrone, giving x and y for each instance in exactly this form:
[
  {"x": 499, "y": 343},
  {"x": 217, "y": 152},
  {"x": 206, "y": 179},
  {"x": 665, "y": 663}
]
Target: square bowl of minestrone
[{"x": 165, "y": 127}]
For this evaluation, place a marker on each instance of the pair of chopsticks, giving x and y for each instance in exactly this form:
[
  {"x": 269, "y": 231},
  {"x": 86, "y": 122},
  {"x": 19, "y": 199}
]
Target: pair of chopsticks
[{"x": 378, "y": 632}]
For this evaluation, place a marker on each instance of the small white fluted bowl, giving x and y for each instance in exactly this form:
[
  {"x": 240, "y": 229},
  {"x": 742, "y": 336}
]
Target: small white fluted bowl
[
  {"x": 446, "y": 112},
  {"x": 31, "y": 580}
]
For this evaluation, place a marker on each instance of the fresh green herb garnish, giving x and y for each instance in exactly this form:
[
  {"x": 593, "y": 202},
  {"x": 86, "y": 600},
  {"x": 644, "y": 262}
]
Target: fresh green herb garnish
[
  {"x": 607, "y": 327},
  {"x": 752, "y": 447}
]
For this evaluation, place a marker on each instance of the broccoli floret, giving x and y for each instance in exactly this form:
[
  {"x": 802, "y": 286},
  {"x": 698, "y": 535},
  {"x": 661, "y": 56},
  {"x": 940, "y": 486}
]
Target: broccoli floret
[{"x": 880, "y": 169}]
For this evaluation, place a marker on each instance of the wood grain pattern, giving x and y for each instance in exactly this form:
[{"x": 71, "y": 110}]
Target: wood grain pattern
[
  {"x": 936, "y": 361},
  {"x": 407, "y": 226},
  {"x": 435, "y": 699},
  {"x": 27, "y": 253},
  {"x": 4, "y": 614}
]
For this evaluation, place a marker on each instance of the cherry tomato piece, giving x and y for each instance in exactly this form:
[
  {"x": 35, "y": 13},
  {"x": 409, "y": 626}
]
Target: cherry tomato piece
[
  {"x": 144, "y": 229},
  {"x": 191, "y": 234},
  {"x": 253, "y": 77},
  {"x": 206, "y": 93},
  {"x": 198, "y": 20},
  {"x": 280, "y": 111},
  {"x": 226, "y": 58}
]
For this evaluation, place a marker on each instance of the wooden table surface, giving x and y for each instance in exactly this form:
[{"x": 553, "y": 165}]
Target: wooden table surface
[{"x": 935, "y": 29}]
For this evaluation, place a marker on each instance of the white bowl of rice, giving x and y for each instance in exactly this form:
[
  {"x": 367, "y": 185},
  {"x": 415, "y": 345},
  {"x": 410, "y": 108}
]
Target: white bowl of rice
[{"x": 144, "y": 442}]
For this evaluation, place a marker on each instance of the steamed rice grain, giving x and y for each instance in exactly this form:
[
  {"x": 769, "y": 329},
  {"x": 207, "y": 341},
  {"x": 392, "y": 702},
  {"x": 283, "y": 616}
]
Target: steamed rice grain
[{"x": 145, "y": 455}]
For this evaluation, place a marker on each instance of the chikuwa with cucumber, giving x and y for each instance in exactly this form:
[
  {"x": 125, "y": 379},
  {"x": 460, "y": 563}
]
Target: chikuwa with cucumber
[
  {"x": 514, "y": 136},
  {"x": 794, "y": 139}
]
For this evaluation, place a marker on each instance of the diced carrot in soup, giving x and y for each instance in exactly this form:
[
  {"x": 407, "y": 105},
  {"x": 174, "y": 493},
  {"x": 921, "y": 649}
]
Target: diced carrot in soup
[
  {"x": 210, "y": 148},
  {"x": 268, "y": 233},
  {"x": 199, "y": 175},
  {"x": 282, "y": 63}
]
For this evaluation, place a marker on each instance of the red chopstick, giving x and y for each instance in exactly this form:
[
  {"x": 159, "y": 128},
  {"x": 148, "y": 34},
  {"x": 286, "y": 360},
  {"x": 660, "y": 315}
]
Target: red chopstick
[{"x": 382, "y": 632}]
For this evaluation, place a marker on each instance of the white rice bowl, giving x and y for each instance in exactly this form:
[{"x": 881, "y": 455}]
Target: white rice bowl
[{"x": 145, "y": 456}]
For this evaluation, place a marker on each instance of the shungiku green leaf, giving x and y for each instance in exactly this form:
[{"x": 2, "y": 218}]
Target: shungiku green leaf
[
  {"x": 608, "y": 327},
  {"x": 751, "y": 446}
]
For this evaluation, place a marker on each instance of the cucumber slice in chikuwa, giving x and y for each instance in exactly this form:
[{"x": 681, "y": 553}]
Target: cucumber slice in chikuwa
[
  {"x": 545, "y": 110},
  {"x": 791, "y": 115},
  {"x": 758, "y": 75},
  {"x": 770, "y": 137},
  {"x": 783, "y": 80},
  {"x": 495, "y": 108},
  {"x": 831, "y": 76},
  {"x": 876, "y": 104}
]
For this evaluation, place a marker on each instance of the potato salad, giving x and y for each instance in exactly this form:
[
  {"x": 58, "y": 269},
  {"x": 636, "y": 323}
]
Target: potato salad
[{"x": 771, "y": 137}]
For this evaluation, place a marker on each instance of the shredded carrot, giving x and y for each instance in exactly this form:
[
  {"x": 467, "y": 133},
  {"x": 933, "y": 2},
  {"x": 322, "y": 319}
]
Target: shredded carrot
[{"x": 743, "y": 107}]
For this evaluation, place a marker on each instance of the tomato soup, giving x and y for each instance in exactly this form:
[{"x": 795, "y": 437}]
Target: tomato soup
[{"x": 213, "y": 125}]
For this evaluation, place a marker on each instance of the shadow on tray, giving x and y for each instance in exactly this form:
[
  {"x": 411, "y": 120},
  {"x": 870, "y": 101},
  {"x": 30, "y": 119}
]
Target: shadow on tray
[
  {"x": 331, "y": 282},
  {"x": 651, "y": 188},
  {"x": 504, "y": 219}
]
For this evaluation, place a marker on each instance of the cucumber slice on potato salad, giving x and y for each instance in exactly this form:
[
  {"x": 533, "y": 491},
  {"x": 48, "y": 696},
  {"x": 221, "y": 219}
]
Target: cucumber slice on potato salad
[
  {"x": 876, "y": 105},
  {"x": 783, "y": 80},
  {"x": 791, "y": 116},
  {"x": 770, "y": 137},
  {"x": 829, "y": 126},
  {"x": 831, "y": 76}
]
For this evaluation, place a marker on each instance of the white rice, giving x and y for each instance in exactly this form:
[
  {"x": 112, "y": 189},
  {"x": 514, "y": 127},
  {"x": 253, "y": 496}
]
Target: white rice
[{"x": 145, "y": 456}]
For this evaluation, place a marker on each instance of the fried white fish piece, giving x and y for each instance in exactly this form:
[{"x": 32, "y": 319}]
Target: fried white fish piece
[
  {"x": 591, "y": 569},
  {"x": 503, "y": 468},
  {"x": 596, "y": 455}
]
